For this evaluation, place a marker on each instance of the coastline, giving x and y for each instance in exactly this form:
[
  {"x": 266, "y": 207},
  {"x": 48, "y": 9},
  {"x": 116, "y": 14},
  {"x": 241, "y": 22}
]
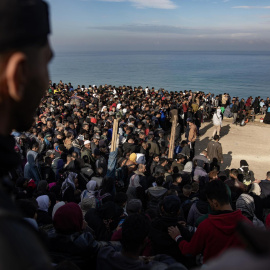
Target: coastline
[{"x": 249, "y": 142}]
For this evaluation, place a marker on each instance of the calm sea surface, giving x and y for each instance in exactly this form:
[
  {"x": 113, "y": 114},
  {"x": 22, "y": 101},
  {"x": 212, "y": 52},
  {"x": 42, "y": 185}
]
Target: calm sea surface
[{"x": 238, "y": 73}]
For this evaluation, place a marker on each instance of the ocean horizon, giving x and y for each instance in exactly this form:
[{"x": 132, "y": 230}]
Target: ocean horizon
[{"x": 241, "y": 74}]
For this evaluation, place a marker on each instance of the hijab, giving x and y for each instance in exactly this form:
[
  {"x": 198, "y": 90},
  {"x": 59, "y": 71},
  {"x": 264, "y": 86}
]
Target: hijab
[
  {"x": 68, "y": 219},
  {"x": 43, "y": 203},
  {"x": 56, "y": 207},
  {"x": 69, "y": 182},
  {"x": 87, "y": 203},
  {"x": 90, "y": 190}
]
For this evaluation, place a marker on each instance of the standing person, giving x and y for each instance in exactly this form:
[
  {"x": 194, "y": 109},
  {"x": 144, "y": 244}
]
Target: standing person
[
  {"x": 234, "y": 110},
  {"x": 214, "y": 150},
  {"x": 31, "y": 169},
  {"x": 217, "y": 233},
  {"x": 24, "y": 56},
  {"x": 192, "y": 135},
  {"x": 199, "y": 119},
  {"x": 217, "y": 122}
]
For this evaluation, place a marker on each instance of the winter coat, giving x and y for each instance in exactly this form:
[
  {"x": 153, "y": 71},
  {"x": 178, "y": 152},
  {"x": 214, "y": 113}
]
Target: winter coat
[
  {"x": 155, "y": 195},
  {"x": 86, "y": 152},
  {"x": 217, "y": 118},
  {"x": 162, "y": 243},
  {"x": 198, "y": 209},
  {"x": 31, "y": 169},
  {"x": 79, "y": 248},
  {"x": 192, "y": 133},
  {"x": 110, "y": 258},
  {"x": 214, "y": 150},
  {"x": 153, "y": 149}
]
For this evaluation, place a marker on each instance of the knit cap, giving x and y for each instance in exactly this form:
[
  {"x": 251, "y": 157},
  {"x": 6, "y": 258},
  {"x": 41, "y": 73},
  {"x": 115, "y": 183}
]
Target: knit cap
[{"x": 133, "y": 157}]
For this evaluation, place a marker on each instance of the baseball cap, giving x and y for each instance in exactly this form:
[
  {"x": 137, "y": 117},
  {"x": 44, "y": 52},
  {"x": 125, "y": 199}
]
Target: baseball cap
[{"x": 23, "y": 22}]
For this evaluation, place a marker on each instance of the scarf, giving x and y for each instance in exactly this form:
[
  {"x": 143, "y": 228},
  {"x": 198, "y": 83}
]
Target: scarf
[
  {"x": 90, "y": 190},
  {"x": 69, "y": 182},
  {"x": 43, "y": 203}
]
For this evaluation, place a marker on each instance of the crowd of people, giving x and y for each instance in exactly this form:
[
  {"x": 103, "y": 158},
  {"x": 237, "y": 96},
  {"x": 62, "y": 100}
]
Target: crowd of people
[
  {"x": 71, "y": 197},
  {"x": 133, "y": 208}
]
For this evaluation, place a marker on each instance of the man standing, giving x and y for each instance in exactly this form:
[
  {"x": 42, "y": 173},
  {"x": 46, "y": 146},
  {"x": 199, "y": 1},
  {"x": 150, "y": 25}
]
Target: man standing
[
  {"x": 24, "y": 57},
  {"x": 192, "y": 135},
  {"x": 234, "y": 110},
  {"x": 214, "y": 150},
  {"x": 217, "y": 233}
]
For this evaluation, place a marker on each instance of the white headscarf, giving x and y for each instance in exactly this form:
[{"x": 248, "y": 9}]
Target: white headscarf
[
  {"x": 43, "y": 203},
  {"x": 56, "y": 207},
  {"x": 90, "y": 190}
]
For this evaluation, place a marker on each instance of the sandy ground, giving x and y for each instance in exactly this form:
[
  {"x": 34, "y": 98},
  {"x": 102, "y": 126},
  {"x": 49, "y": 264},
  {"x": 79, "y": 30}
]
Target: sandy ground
[{"x": 250, "y": 142}]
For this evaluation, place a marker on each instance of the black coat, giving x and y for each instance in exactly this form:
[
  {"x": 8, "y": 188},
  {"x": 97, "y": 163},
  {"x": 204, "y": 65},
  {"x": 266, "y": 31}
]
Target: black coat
[
  {"x": 78, "y": 248},
  {"x": 161, "y": 241},
  {"x": 43, "y": 218}
]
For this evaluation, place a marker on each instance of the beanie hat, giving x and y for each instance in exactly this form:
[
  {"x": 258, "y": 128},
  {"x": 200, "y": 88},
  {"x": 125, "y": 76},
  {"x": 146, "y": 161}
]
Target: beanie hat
[{"x": 133, "y": 157}]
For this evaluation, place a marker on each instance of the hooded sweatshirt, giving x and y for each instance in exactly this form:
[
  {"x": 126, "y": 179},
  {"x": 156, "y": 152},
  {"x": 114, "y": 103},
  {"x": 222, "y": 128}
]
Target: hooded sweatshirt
[{"x": 214, "y": 235}]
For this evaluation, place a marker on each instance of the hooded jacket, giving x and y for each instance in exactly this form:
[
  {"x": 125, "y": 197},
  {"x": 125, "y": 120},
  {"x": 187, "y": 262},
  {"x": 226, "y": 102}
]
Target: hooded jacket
[{"x": 214, "y": 235}]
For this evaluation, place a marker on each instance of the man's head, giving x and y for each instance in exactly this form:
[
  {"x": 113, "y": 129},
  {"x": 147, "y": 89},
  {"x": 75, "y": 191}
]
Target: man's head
[
  {"x": 134, "y": 206},
  {"x": 234, "y": 173},
  {"x": 141, "y": 168},
  {"x": 87, "y": 144},
  {"x": 268, "y": 175},
  {"x": 217, "y": 195},
  {"x": 216, "y": 138},
  {"x": 35, "y": 147},
  {"x": 156, "y": 157},
  {"x": 24, "y": 56},
  {"x": 135, "y": 229}
]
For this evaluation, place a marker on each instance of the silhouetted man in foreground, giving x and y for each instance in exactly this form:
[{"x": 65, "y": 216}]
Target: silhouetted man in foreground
[{"x": 24, "y": 56}]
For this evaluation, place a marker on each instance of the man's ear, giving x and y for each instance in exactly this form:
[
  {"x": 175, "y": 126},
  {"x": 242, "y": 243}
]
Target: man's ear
[{"x": 16, "y": 75}]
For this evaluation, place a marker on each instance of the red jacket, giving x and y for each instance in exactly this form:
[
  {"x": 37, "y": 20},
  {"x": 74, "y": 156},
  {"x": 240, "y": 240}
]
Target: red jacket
[{"x": 214, "y": 235}]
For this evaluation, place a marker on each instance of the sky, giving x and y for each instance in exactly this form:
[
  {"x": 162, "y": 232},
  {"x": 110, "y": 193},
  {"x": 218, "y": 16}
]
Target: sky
[{"x": 136, "y": 25}]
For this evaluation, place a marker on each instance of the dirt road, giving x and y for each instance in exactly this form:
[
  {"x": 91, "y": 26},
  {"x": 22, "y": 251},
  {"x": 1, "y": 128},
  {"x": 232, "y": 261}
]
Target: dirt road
[{"x": 251, "y": 142}]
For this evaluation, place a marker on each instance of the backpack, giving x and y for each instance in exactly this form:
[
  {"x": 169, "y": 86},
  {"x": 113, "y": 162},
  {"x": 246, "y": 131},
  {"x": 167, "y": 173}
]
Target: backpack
[{"x": 246, "y": 177}]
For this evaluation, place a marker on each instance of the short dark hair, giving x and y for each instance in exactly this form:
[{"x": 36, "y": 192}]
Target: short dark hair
[
  {"x": 27, "y": 207},
  {"x": 120, "y": 198},
  {"x": 234, "y": 172},
  {"x": 159, "y": 180},
  {"x": 217, "y": 190},
  {"x": 35, "y": 145},
  {"x": 216, "y": 137},
  {"x": 135, "y": 229}
]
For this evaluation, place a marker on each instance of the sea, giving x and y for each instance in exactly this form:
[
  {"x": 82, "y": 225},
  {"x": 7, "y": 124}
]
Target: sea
[{"x": 241, "y": 74}]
